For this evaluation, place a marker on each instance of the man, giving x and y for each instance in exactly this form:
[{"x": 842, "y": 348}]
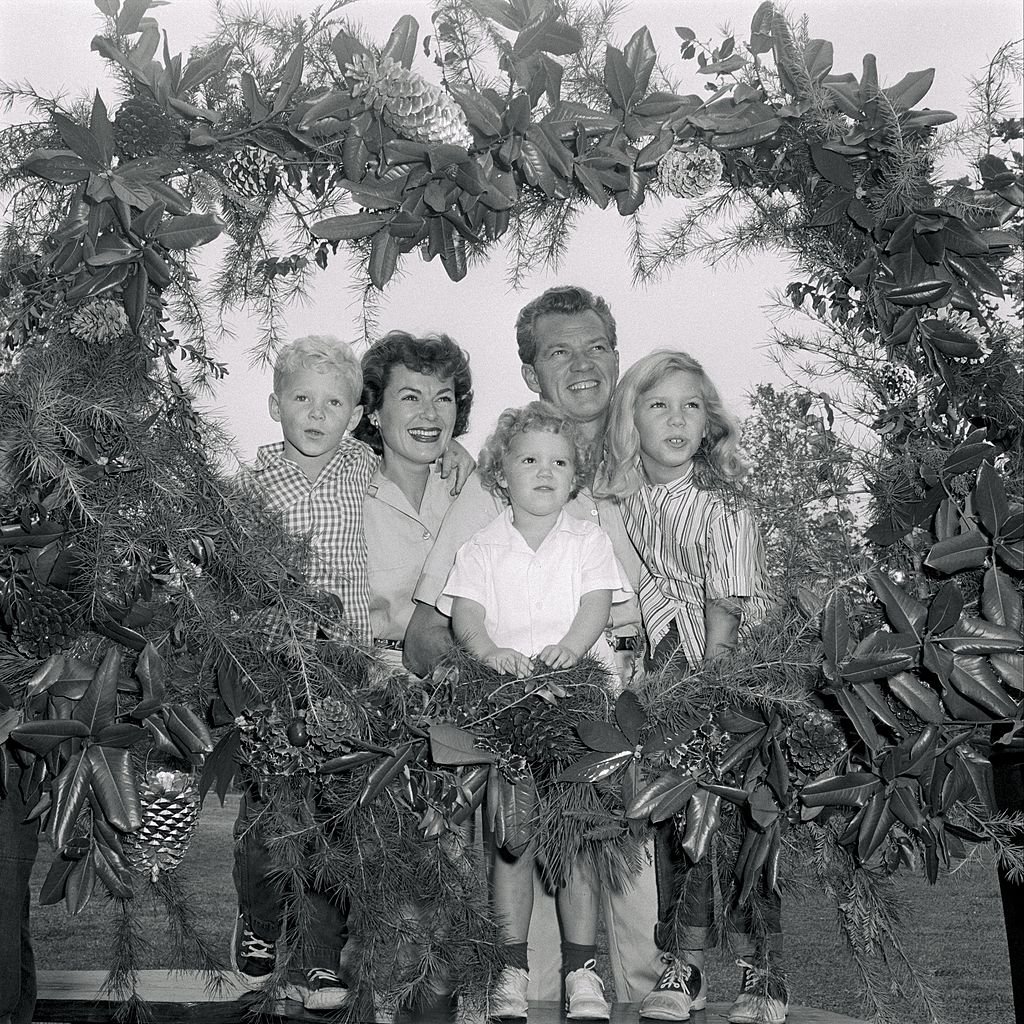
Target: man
[{"x": 567, "y": 346}]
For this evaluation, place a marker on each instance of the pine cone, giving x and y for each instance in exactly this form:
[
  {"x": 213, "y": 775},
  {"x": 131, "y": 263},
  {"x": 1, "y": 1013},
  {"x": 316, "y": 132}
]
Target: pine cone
[
  {"x": 911, "y": 724},
  {"x": 253, "y": 173},
  {"x": 329, "y": 723},
  {"x": 143, "y": 128},
  {"x": 44, "y": 621},
  {"x": 898, "y": 382},
  {"x": 543, "y": 734},
  {"x": 100, "y": 321},
  {"x": 816, "y": 742},
  {"x": 170, "y": 811},
  {"x": 408, "y": 104},
  {"x": 688, "y": 173}
]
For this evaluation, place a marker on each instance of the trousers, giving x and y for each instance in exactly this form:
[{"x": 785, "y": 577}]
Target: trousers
[
  {"x": 19, "y": 843},
  {"x": 261, "y": 894}
]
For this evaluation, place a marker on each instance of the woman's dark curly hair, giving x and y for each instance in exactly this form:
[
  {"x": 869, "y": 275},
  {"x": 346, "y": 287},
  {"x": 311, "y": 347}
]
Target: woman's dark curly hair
[{"x": 435, "y": 354}]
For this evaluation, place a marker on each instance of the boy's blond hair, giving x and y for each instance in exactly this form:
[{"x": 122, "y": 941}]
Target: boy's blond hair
[{"x": 323, "y": 353}]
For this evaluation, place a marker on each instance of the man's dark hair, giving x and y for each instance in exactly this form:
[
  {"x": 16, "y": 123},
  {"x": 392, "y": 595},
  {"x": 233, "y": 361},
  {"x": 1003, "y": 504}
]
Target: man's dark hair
[{"x": 567, "y": 300}]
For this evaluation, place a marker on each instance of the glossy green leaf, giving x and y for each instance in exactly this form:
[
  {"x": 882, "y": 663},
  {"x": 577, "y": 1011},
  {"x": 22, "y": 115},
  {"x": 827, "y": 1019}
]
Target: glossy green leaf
[
  {"x": 703, "y": 819},
  {"x": 55, "y": 884},
  {"x": 43, "y": 736},
  {"x": 833, "y": 168},
  {"x": 967, "y": 457},
  {"x": 944, "y": 611},
  {"x": 383, "y": 259},
  {"x": 349, "y": 226},
  {"x": 603, "y": 737},
  {"x": 859, "y": 717},
  {"x": 115, "y": 786},
  {"x": 452, "y": 745},
  {"x": 1000, "y": 602},
  {"x": 80, "y": 882},
  {"x": 81, "y": 141},
  {"x": 974, "y": 678},
  {"x": 70, "y": 791},
  {"x": 990, "y": 498},
  {"x": 910, "y": 89},
  {"x": 98, "y": 706},
  {"x": 595, "y": 766},
  {"x": 630, "y": 716},
  {"x": 852, "y": 789},
  {"x": 971, "y": 635},
  {"x": 964, "y": 551},
  {"x": 618, "y": 79},
  {"x": 875, "y": 825},
  {"x": 189, "y": 231},
  {"x": 1010, "y": 669},
  {"x": 916, "y": 695},
  {"x": 640, "y": 56},
  {"x": 401, "y": 44},
  {"x": 835, "y": 627}
]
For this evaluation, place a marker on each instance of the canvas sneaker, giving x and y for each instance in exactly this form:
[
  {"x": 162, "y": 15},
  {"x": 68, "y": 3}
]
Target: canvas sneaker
[
  {"x": 681, "y": 988},
  {"x": 320, "y": 988},
  {"x": 584, "y": 994},
  {"x": 509, "y": 996},
  {"x": 252, "y": 958},
  {"x": 763, "y": 997}
]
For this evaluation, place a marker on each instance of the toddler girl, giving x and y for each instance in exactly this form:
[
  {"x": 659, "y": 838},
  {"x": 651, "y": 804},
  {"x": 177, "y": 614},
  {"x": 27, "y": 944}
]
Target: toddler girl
[
  {"x": 533, "y": 588},
  {"x": 672, "y": 460}
]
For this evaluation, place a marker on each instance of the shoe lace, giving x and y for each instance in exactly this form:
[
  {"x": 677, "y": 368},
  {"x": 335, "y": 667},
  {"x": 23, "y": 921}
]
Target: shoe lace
[
  {"x": 758, "y": 981},
  {"x": 256, "y": 948},
  {"x": 588, "y": 979},
  {"x": 676, "y": 974},
  {"x": 323, "y": 974}
]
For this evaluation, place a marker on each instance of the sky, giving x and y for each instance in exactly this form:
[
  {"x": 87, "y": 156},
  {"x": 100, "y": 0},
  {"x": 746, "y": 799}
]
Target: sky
[{"x": 722, "y": 315}]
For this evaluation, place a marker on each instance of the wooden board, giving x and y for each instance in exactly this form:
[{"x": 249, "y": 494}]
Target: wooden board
[{"x": 73, "y": 997}]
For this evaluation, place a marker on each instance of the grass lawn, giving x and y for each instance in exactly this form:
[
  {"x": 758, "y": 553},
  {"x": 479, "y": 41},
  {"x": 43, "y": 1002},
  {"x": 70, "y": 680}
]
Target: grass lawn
[{"x": 953, "y": 929}]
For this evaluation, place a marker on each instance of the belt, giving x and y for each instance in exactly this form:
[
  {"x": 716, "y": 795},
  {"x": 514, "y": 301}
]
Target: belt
[{"x": 388, "y": 645}]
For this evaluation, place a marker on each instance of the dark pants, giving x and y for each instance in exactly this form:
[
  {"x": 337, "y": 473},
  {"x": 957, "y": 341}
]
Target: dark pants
[
  {"x": 260, "y": 894},
  {"x": 685, "y": 889},
  {"x": 1008, "y": 780},
  {"x": 18, "y": 845}
]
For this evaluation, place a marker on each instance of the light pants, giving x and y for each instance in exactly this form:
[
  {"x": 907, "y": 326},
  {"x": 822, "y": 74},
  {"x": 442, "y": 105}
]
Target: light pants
[{"x": 629, "y": 916}]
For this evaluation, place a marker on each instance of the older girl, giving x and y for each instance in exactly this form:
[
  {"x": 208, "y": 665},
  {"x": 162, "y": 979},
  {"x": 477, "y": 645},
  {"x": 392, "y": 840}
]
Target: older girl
[{"x": 671, "y": 458}]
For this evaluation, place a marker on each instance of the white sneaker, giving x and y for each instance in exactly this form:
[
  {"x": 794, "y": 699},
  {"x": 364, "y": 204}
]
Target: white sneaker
[
  {"x": 509, "y": 996},
  {"x": 584, "y": 995},
  {"x": 762, "y": 999},
  {"x": 320, "y": 989}
]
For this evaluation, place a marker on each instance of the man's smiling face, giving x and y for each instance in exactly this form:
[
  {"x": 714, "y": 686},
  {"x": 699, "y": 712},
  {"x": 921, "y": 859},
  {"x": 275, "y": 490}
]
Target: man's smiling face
[{"x": 575, "y": 366}]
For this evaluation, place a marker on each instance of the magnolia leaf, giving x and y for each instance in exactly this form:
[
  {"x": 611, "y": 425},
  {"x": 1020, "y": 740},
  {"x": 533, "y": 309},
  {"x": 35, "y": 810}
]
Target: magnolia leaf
[
  {"x": 763, "y": 128},
  {"x": 875, "y": 825},
  {"x": 513, "y": 812},
  {"x": 401, "y": 44},
  {"x": 764, "y": 807},
  {"x": 205, "y": 67},
  {"x": 349, "y": 226},
  {"x": 916, "y": 695},
  {"x": 58, "y": 165},
  {"x": 619, "y": 81},
  {"x": 451, "y": 745},
  {"x": 945, "y": 608},
  {"x": 121, "y": 734},
  {"x": 905, "y": 612},
  {"x": 910, "y": 90},
  {"x": 548, "y": 35},
  {"x": 591, "y": 183},
  {"x": 818, "y": 58},
  {"x": 384, "y": 772},
  {"x": 703, "y": 819},
  {"x": 80, "y": 882},
  {"x": 55, "y": 884},
  {"x": 641, "y": 56},
  {"x": 835, "y": 628},
  {"x": 965, "y": 551},
  {"x": 603, "y": 737},
  {"x": 291, "y": 79},
  {"x": 833, "y": 168},
  {"x": 1010, "y": 669},
  {"x": 188, "y": 231},
  {"x": 45, "y": 676},
  {"x": 990, "y": 498},
  {"x": 725, "y": 66},
  {"x": 1011, "y": 555},
  {"x": 974, "y": 678},
  {"x": 630, "y": 715},
  {"x": 114, "y": 785},
  {"x": 971, "y": 635},
  {"x": 383, "y": 259},
  {"x": 595, "y": 766},
  {"x": 967, "y": 457},
  {"x": 852, "y": 789},
  {"x": 70, "y": 791},
  {"x": 1000, "y": 602},
  {"x": 42, "y": 736},
  {"x": 98, "y": 706},
  {"x": 859, "y": 716},
  {"x": 480, "y": 112},
  {"x": 81, "y": 141},
  {"x": 662, "y": 797}
]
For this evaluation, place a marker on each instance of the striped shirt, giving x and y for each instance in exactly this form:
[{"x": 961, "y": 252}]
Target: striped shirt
[
  {"x": 329, "y": 512},
  {"x": 696, "y": 546}
]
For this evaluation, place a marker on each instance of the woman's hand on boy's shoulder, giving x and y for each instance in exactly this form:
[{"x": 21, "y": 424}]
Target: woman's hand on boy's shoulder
[{"x": 457, "y": 465}]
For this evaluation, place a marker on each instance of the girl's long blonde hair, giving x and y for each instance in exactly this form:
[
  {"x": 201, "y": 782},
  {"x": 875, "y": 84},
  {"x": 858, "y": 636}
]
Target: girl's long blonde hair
[{"x": 717, "y": 465}]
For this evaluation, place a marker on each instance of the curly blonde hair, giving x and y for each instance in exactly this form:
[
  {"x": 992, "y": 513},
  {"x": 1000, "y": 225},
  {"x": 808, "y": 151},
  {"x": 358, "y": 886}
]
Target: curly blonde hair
[
  {"x": 717, "y": 465},
  {"x": 535, "y": 416}
]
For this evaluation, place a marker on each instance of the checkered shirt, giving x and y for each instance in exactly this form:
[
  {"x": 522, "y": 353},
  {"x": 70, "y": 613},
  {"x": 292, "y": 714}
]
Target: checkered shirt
[{"x": 329, "y": 511}]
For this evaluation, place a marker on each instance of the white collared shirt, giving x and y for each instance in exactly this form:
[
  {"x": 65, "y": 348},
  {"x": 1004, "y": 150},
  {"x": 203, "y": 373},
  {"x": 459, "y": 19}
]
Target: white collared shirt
[{"x": 530, "y": 598}]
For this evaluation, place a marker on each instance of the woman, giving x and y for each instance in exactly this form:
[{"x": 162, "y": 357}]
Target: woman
[{"x": 417, "y": 394}]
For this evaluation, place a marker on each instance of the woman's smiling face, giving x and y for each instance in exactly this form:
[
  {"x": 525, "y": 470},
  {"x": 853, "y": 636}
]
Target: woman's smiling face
[{"x": 416, "y": 416}]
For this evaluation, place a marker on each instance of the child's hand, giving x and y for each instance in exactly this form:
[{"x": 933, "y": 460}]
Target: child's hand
[
  {"x": 558, "y": 656},
  {"x": 505, "y": 659}
]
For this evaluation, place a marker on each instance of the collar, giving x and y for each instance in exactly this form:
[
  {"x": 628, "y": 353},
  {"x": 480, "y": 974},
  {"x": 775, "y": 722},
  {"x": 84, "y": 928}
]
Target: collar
[
  {"x": 679, "y": 483},
  {"x": 271, "y": 456}
]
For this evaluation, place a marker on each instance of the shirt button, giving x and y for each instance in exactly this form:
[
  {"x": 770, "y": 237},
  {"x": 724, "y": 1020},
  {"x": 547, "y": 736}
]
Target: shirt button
[
  {"x": 593, "y": 511},
  {"x": 426, "y": 535}
]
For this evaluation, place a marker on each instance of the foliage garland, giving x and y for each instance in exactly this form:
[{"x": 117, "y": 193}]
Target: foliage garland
[{"x": 136, "y": 579}]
